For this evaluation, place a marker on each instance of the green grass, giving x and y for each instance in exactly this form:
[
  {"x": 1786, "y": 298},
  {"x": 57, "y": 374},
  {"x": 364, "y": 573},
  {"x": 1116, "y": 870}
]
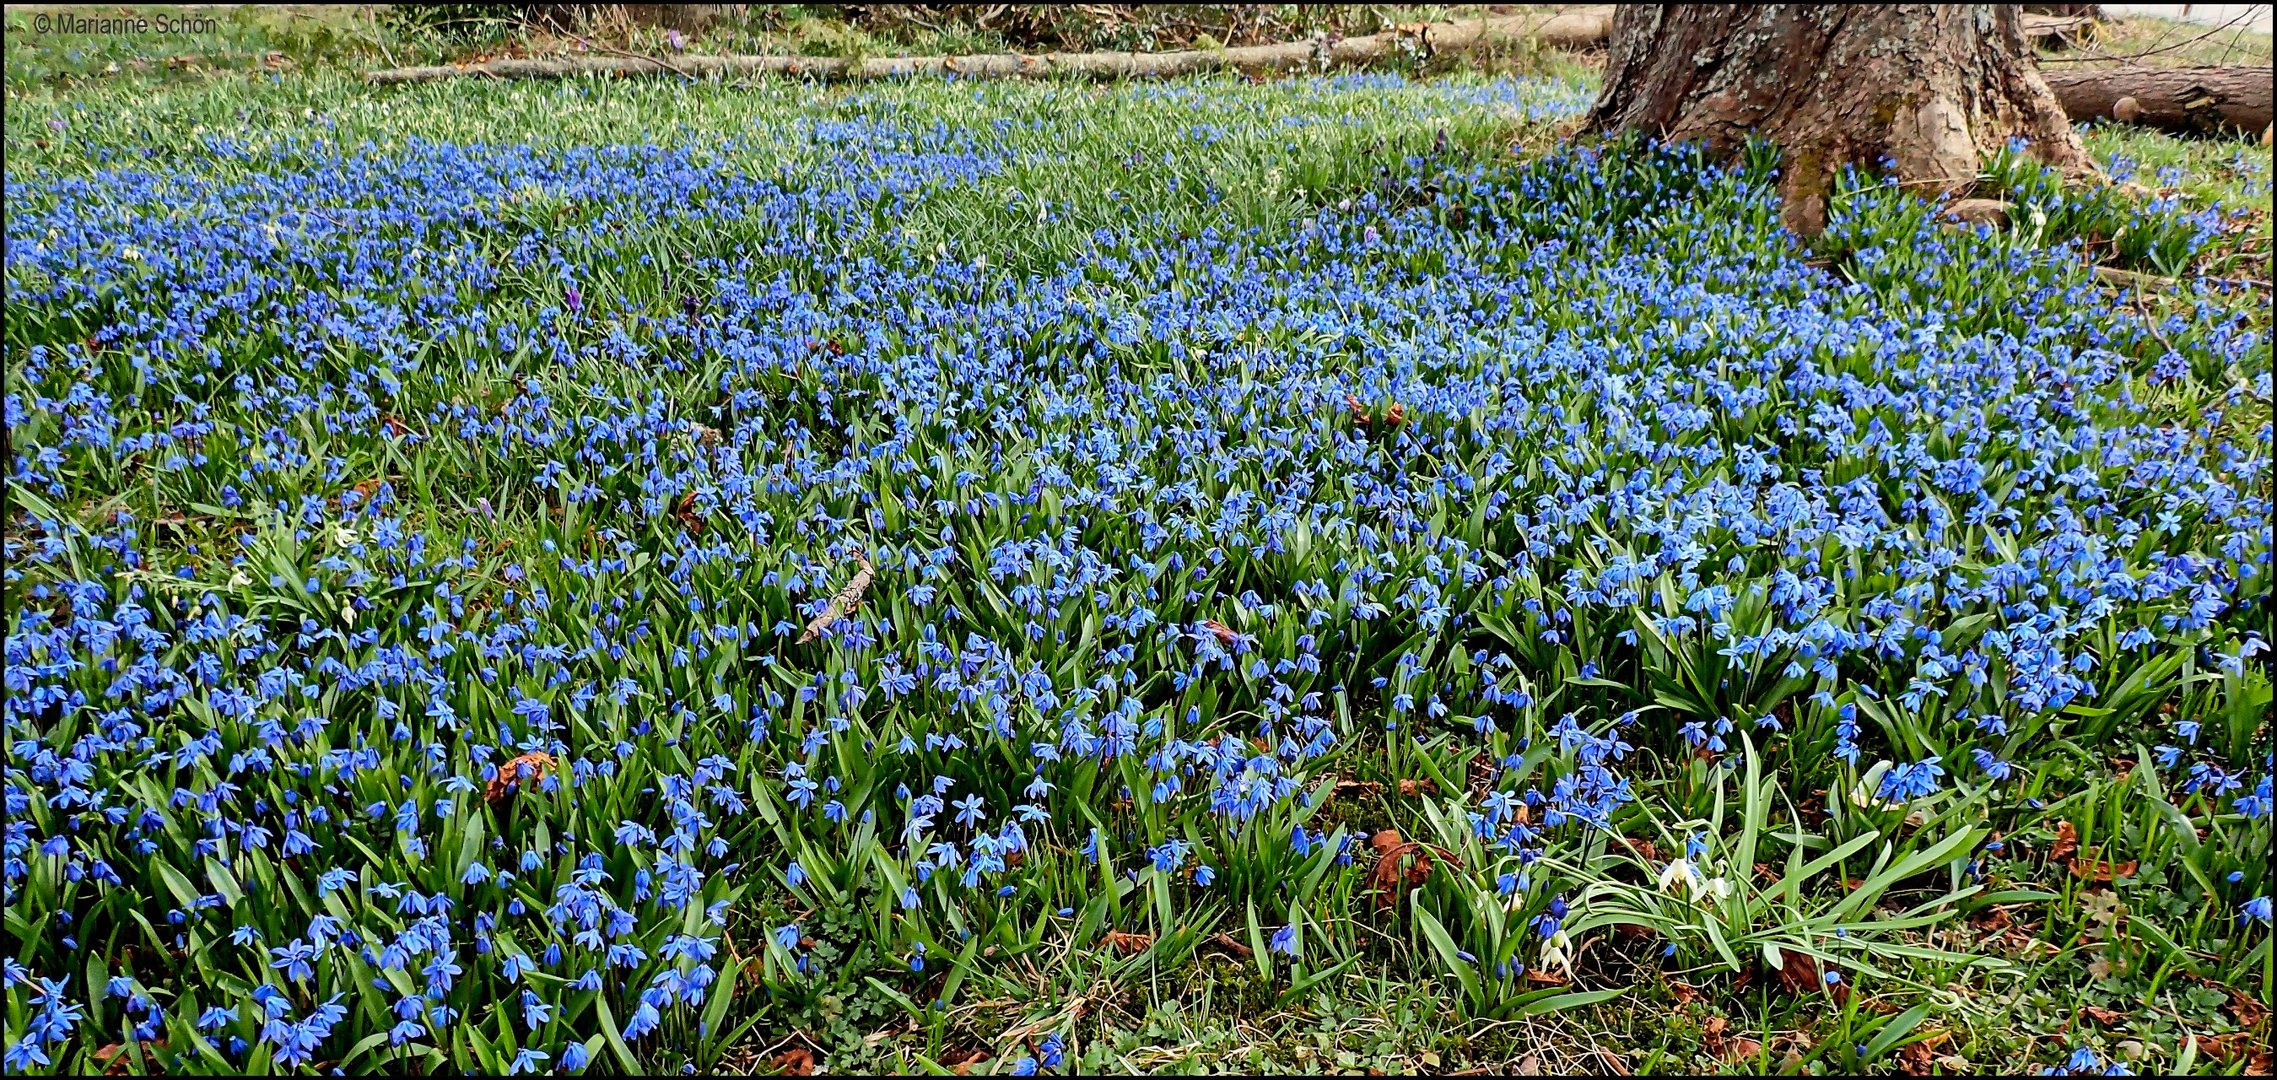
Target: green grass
[{"x": 2112, "y": 948}]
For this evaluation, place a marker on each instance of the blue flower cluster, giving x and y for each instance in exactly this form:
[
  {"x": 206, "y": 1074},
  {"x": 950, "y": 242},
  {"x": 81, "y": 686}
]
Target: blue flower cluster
[{"x": 408, "y": 614}]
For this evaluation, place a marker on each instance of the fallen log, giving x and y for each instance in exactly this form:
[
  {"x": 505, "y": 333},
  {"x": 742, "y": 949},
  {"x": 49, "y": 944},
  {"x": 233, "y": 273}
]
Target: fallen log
[
  {"x": 2189, "y": 101},
  {"x": 1572, "y": 28},
  {"x": 2055, "y": 31}
]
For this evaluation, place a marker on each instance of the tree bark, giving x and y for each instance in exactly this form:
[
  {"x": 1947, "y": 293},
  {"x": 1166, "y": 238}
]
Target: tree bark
[
  {"x": 2187, "y": 101},
  {"x": 1933, "y": 89}
]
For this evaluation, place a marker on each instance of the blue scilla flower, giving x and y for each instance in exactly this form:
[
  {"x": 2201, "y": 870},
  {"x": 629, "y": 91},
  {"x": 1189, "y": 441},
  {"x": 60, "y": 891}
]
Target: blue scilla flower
[
  {"x": 2256, "y": 909},
  {"x": 1284, "y": 941},
  {"x": 1911, "y": 781}
]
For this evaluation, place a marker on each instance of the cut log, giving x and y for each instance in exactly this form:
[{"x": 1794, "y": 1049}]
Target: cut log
[
  {"x": 2189, "y": 101},
  {"x": 1573, "y": 28}
]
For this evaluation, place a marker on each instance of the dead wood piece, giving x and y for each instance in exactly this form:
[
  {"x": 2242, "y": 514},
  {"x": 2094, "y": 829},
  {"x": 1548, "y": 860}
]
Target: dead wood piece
[
  {"x": 843, "y": 602},
  {"x": 2186, "y": 100}
]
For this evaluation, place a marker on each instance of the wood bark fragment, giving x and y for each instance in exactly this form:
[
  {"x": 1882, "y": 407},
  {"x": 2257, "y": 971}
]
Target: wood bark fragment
[
  {"x": 843, "y": 602},
  {"x": 2189, "y": 100},
  {"x": 1572, "y": 28}
]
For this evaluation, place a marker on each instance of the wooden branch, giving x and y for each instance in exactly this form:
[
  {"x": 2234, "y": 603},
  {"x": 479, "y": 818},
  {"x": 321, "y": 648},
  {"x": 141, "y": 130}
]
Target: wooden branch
[
  {"x": 843, "y": 602},
  {"x": 1572, "y": 28},
  {"x": 2192, "y": 100}
]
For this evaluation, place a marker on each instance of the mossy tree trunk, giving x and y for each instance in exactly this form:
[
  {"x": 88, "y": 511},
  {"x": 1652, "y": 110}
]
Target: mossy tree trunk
[{"x": 1931, "y": 88}]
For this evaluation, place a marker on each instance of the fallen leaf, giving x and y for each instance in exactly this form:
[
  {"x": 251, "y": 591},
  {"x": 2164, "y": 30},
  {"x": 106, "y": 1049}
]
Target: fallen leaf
[
  {"x": 685, "y": 510},
  {"x": 2094, "y": 868},
  {"x": 959, "y": 1061},
  {"x": 1916, "y": 1059},
  {"x": 1800, "y": 974},
  {"x": 1361, "y": 788},
  {"x": 1129, "y": 944},
  {"x": 1225, "y": 941},
  {"x": 796, "y": 1061},
  {"x": 2106, "y": 1017},
  {"x": 1412, "y": 788},
  {"x": 1226, "y": 635},
  {"x": 2067, "y": 841},
  {"x": 115, "y": 1059},
  {"x": 531, "y": 767},
  {"x": 1685, "y": 993},
  {"x": 1400, "y": 865}
]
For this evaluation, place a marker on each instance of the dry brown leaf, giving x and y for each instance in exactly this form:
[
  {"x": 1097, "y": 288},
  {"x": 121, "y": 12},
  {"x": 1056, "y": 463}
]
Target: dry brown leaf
[
  {"x": 1685, "y": 993},
  {"x": 843, "y": 602},
  {"x": 1225, "y": 941},
  {"x": 796, "y": 1061},
  {"x": 962, "y": 1061},
  {"x": 685, "y": 510},
  {"x": 1359, "y": 788},
  {"x": 1400, "y": 865},
  {"x": 1129, "y": 944},
  {"x": 1226, "y": 635},
  {"x": 2110, "y": 1018},
  {"x": 530, "y": 767},
  {"x": 1413, "y": 788},
  {"x": 1800, "y": 974},
  {"x": 2067, "y": 841},
  {"x": 2094, "y": 868},
  {"x": 115, "y": 1059}
]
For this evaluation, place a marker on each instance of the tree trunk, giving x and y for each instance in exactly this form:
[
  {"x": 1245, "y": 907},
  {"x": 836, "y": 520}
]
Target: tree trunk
[{"x": 1932, "y": 88}]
